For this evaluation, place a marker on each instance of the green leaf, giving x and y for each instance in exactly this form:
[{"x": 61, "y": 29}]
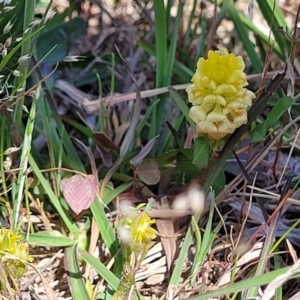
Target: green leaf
[
  {"x": 58, "y": 35},
  {"x": 281, "y": 106},
  {"x": 167, "y": 157},
  {"x": 74, "y": 276},
  {"x": 202, "y": 152},
  {"x": 219, "y": 183},
  {"x": 259, "y": 133},
  {"x": 148, "y": 171},
  {"x": 185, "y": 162}
]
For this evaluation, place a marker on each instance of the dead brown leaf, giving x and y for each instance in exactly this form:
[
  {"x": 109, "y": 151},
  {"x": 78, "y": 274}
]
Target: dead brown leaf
[{"x": 166, "y": 228}]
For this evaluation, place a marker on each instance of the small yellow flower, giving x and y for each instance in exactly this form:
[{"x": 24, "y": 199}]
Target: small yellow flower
[
  {"x": 141, "y": 229},
  {"x": 14, "y": 252},
  {"x": 218, "y": 94},
  {"x": 136, "y": 235}
]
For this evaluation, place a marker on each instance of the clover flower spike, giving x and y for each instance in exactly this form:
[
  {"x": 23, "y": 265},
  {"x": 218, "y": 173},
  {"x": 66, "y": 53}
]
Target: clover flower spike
[{"x": 218, "y": 94}]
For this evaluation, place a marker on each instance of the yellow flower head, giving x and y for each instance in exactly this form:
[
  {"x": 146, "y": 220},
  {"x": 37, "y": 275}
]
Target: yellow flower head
[
  {"x": 136, "y": 234},
  {"x": 14, "y": 252},
  {"x": 218, "y": 94},
  {"x": 140, "y": 228}
]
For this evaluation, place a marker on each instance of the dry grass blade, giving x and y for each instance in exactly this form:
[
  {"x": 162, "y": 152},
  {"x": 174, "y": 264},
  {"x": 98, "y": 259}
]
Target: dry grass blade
[
  {"x": 253, "y": 254},
  {"x": 4, "y": 281},
  {"x": 166, "y": 227},
  {"x": 49, "y": 291},
  {"x": 84, "y": 100},
  {"x": 246, "y": 175},
  {"x": 296, "y": 296},
  {"x": 289, "y": 157},
  {"x": 168, "y": 213},
  {"x": 279, "y": 281},
  {"x": 153, "y": 267}
]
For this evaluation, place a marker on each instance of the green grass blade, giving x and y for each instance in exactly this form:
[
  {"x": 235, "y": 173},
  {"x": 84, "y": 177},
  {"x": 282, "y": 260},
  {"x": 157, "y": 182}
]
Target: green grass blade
[
  {"x": 25, "y": 50},
  {"x": 172, "y": 47},
  {"x": 74, "y": 276},
  {"x": 161, "y": 59},
  {"x": 176, "y": 274},
  {"x": 244, "y": 36},
  {"x": 11, "y": 53},
  {"x": 101, "y": 269},
  {"x": 145, "y": 118},
  {"x": 170, "y": 137},
  {"x": 111, "y": 194},
  {"x": 182, "y": 106},
  {"x": 277, "y": 265},
  {"x": 104, "y": 226},
  {"x": 239, "y": 286},
  {"x": 70, "y": 155},
  {"x": 49, "y": 239},
  {"x": 264, "y": 38},
  {"x": 189, "y": 32},
  {"x": 275, "y": 19},
  {"x": 161, "y": 41},
  {"x": 181, "y": 70}
]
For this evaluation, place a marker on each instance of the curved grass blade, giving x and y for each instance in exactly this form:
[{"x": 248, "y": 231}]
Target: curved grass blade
[
  {"x": 101, "y": 269},
  {"x": 74, "y": 276},
  {"x": 239, "y": 286}
]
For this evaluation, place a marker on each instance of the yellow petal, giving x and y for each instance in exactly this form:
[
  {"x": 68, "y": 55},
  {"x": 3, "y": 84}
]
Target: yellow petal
[
  {"x": 240, "y": 117},
  {"x": 250, "y": 96},
  {"x": 226, "y": 127},
  {"x": 216, "y": 115},
  {"x": 238, "y": 77},
  {"x": 199, "y": 112},
  {"x": 206, "y": 127},
  {"x": 190, "y": 92},
  {"x": 234, "y": 105},
  {"x": 208, "y": 83},
  {"x": 218, "y": 99},
  {"x": 225, "y": 88}
]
